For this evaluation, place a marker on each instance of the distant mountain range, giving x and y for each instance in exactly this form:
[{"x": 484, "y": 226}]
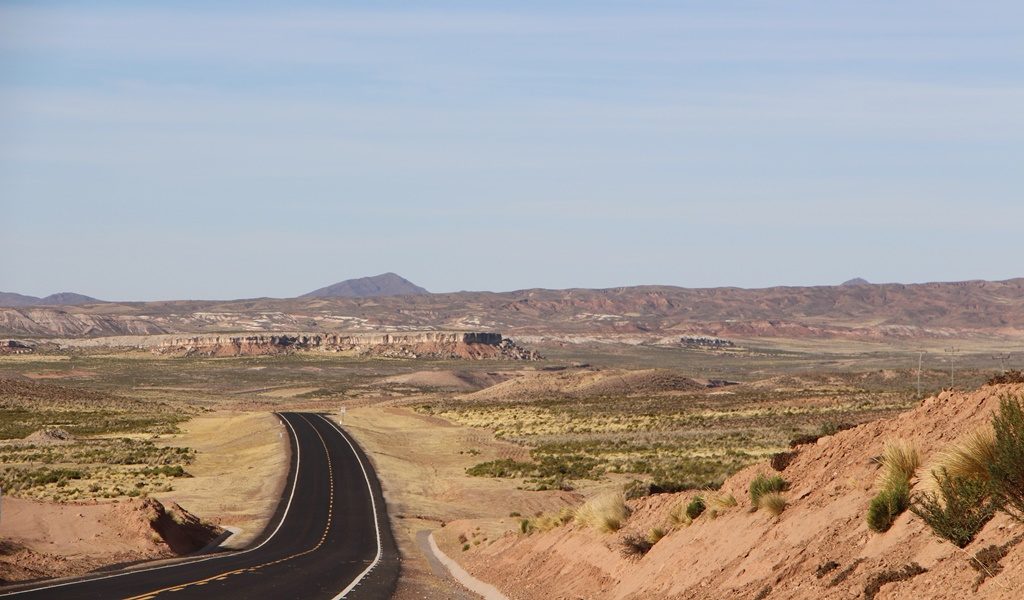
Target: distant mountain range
[
  {"x": 59, "y": 299},
  {"x": 860, "y": 311},
  {"x": 386, "y": 284}
]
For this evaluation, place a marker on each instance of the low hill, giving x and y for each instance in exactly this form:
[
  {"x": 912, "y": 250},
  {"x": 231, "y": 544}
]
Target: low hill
[
  {"x": 819, "y": 546},
  {"x": 386, "y": 284},
  {"x": 60, "y": 299}
]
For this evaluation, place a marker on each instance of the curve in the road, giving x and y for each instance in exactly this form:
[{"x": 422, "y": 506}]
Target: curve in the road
[{"x": 331, "y": 539}]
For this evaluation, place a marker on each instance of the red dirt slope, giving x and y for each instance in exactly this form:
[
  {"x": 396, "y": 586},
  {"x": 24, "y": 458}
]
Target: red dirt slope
[{"x": 744, "y": 554}]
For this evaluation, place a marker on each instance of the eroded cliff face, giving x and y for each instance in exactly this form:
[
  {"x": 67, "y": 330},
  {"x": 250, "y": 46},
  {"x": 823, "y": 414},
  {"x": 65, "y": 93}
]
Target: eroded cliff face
[
  {"x": 54, "y": 322},
  {"x": 427, "y": 344}
]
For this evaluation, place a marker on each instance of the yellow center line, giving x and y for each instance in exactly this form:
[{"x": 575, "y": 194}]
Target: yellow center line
[{"x": 253, "y": 568}]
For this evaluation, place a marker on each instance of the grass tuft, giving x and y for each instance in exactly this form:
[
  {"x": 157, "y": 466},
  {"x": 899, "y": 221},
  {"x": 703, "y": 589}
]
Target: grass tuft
[
  {"x": 900, "y": 461},
  {"x": 774, "y": 503},
  {"x": 719, "y": 504},
  {"x": 606, "y": 513},
  {"x": 970, "y": 457},
  {"x": 762, "y": 485}
]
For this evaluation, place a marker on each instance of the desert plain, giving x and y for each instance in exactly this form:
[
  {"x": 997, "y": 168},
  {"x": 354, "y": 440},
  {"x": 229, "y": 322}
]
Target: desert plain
[{"x": 573, "y": 454}]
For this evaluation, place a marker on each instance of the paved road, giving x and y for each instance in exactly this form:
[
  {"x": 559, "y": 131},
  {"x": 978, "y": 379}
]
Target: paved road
[{"x": 329, "y": 539}]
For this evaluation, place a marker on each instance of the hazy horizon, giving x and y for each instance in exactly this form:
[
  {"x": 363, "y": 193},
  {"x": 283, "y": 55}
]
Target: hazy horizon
[
  {"x": 457, "y": 291},
  {"x": 237, "y": 150}
]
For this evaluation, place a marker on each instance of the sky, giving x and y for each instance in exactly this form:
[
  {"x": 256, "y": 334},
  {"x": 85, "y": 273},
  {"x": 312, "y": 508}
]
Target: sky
[{"x": 215, "y": 150}]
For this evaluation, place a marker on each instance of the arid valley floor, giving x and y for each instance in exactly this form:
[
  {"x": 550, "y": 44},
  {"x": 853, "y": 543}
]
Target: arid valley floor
[{"x": 500, "y": 453}]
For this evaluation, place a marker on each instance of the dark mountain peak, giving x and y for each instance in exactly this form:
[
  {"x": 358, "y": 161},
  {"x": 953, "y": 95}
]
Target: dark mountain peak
[
  {"x": 385, "y": 284},
  {"x": 68, "y": 299},
  {"x": 855, "y": 281}
]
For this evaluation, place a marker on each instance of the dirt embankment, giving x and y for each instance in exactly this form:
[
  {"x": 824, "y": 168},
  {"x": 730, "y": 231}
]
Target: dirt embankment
[
  {"x": 43, "y": 540},
  {"x": 818, "y": 547}
]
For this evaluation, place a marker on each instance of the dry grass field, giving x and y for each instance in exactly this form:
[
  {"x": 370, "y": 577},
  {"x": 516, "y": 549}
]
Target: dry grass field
[{"x": 492, "y": 441}]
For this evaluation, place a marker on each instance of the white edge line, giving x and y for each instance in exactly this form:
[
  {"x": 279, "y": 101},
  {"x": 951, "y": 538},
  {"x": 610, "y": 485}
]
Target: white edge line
[
  {"x": 298, "y": 456},
  {"x": 461, "y": 575},
  {"x": 373, "y": 504}
]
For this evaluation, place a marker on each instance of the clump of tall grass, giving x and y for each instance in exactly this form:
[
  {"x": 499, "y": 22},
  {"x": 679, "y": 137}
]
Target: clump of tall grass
[
  {"x": 899, "y": 462},
  {"x": 774, "y": 503},
  {"x": 969, "y": 458},
  {"x": 762, "y": 485},
  {"x": 719, "y": 504},
  {"x": 605, "y": 513},
  {"x": 678, "y": 517}
]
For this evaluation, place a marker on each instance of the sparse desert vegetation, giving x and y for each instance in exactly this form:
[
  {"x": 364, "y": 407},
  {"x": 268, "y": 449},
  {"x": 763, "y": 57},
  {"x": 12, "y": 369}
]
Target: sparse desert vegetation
[
  {"x": 556, "y": 456},
  {"x": 689, "y": 437}
]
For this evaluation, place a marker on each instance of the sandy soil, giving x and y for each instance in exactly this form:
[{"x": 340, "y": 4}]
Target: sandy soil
[
  {"x": 41, "y": 540},
  {"x": 239, "y": 471},
  {"x": 451, "y": 380},
  {"x": 289, "y": 392},
  {"x": 421, "y": 461}
]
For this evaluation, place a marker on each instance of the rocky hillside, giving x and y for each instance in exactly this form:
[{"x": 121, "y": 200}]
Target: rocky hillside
[
  {"x": 869, "y": 312},
  {"x": 819, "y": 546},
  {"x": 422, "y": 344}
]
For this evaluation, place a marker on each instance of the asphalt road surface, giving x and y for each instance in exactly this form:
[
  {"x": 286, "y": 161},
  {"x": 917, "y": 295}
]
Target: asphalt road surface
[{"x": 329, "y": 539}]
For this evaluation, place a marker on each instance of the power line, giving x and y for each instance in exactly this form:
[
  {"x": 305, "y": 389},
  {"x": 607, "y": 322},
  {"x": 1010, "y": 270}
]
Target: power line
[
  {"x": 1003, "y": 360},
  {"x": 952, "y": 356}
]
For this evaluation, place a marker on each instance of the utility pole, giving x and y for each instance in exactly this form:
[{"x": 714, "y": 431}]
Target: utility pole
[
  {"x": 920, "y": 360},
  {"x": 952, "y": 356},
  {"x": 1002, "y": 358}
]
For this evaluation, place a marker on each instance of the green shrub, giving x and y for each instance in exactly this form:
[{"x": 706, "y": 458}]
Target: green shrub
[
  {"x": 762, "y": 485},
  {"x": 960, "y": 509},
  {"x": 695, "y": 508},
  {"x": 887, "y": 505},
  {"x": 1007, "y": 468}
]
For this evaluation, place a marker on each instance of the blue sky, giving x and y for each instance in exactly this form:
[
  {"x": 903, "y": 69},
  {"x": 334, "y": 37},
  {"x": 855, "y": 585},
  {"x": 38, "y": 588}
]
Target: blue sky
[{"x": 219, "y": 150}]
